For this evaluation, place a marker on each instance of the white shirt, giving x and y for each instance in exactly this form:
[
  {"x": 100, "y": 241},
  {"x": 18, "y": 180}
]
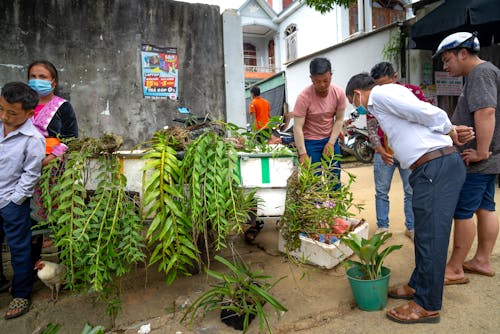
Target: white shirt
[{"x": 413, "y": 127}]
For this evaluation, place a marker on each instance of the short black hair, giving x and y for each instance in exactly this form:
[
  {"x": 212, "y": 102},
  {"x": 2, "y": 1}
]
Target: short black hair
[
  {"x": 320, "y": 66},
  {"x": 255, "y": 90},
  {"x": 361, "y": 81},
  {"x": 14, "y": 92},
  {"x": 381, "y": 70}
]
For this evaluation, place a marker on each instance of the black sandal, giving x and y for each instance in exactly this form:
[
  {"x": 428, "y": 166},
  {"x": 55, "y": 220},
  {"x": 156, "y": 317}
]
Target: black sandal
[{"x": 21, "y": 304}]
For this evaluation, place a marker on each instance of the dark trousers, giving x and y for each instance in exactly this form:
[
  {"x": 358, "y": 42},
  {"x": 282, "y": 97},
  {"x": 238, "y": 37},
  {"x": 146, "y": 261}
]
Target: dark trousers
[
  {"x": 16, "y": 224},
  {"x": 436, "y": 187},
  {"x": 314, "y": 149}
]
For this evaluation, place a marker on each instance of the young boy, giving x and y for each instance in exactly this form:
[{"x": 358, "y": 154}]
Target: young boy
[{"x": 22, "y": 149}]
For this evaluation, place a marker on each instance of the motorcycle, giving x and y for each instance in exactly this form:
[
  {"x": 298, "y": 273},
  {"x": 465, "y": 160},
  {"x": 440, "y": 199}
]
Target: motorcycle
[{"x": 356, "y": 141}]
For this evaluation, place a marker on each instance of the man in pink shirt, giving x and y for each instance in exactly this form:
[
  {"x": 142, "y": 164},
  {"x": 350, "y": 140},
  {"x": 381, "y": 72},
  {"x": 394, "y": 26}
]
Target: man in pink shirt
[{"x": 318, "y": 115}]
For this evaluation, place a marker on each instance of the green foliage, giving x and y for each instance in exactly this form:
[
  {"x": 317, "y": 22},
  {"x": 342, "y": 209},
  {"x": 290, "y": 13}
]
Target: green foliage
[
  {"x": 163, "y": 196},
  {"x": 312, "y": 202},
  {"x": 51, "y": 328},
  {"x": 98, "y": 233},
  {"x": 256, "y": 140},
  {"x": 368, "y": 251},
  {"x": 324, "y": 6},
  {"x": 392, "y": 51},
  {"x": 196, "y": 202},
  {"x": 240, "y": 290},
  {"x": 88, "y": 329},
  {"x": 217, "y": 205}
]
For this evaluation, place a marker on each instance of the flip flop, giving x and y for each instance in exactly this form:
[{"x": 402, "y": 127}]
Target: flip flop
[
  {"x": 462, "y": 280},
  {"x": 412, "y": 313},
  {"x": 468, "y": 269},
  {"x": 21, "y": 304},
  {"x": 394, "y": 292}
]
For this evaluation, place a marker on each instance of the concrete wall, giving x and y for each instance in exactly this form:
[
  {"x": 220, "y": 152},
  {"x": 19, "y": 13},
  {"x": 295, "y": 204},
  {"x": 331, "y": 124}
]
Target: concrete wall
[
  {"x": 96, "y": 47},
  {"x": 233, "y": 67}
]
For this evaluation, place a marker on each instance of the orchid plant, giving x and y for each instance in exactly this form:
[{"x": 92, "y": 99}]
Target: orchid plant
[{"x": 315, "y": 204}]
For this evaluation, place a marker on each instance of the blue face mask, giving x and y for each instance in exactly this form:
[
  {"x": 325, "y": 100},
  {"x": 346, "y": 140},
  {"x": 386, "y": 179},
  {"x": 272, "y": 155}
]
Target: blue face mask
[
  {"x": 361, "y": 110},
  {"x": 42, "y": 87}
]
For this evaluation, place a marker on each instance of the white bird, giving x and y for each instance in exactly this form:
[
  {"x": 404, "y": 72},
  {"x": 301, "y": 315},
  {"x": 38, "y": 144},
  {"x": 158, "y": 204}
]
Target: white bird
[{"x": 52, "y": 275}]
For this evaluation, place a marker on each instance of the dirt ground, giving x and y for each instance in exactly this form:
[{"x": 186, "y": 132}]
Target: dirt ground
[{"x": 319, "y": 301}]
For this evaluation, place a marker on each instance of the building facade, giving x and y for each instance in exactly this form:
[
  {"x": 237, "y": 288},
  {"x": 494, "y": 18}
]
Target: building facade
[{"x": 277, "y": 32}]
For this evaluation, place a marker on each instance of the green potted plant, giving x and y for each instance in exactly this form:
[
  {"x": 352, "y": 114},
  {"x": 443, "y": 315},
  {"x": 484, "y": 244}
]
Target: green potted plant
[
  {"x": 368, "y": 278},
  {"x": 240, "y": 296}
]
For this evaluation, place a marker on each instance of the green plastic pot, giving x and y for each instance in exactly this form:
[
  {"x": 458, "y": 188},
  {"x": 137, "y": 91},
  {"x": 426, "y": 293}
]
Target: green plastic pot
[{"x": 370, "y": 295}]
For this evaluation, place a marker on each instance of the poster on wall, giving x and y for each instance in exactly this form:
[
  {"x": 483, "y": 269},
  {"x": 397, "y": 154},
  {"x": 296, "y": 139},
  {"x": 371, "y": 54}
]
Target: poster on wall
[
  {"x": 160, "y": 74},
  {"x": 447, "y": 85}
]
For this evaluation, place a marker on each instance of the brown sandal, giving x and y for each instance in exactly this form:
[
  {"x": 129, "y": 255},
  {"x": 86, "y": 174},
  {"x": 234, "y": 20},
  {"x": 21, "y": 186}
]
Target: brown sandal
[
  {"x": 412, "y": 313},
  {"x": 401, "y": 292}
]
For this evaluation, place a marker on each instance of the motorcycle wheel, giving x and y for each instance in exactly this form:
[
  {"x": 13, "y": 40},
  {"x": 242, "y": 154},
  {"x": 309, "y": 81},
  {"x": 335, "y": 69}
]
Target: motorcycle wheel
[{"x": 362, "y": 150}]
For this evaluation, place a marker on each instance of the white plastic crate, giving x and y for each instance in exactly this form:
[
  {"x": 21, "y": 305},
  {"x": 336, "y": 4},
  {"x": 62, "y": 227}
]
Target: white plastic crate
[{"x": 321, "y": 254}]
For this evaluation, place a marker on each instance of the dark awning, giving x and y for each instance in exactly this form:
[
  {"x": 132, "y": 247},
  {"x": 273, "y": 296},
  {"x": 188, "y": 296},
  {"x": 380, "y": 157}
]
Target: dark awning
[{"x": 452, "y": 16}]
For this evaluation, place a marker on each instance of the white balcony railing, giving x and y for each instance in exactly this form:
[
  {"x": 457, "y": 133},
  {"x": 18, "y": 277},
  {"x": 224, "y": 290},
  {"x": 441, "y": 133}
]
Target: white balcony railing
[{"x": 265, "y": 69}]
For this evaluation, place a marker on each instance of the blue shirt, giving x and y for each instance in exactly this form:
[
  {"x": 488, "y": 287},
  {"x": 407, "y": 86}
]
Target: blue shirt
[{"x": 21, "y": 155}]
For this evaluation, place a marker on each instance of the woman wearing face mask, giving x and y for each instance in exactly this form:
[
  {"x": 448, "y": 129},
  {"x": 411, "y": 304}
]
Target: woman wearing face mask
[{"x": 55, "y": 118}]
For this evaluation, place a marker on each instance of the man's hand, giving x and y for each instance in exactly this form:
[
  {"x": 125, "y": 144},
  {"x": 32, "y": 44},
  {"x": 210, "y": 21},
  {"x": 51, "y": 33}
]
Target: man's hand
[
  {"x": 304, "y": 159},
  {"x": 464, "y": 134},
  {"x": 328, "y": 150},
  {"x": 471, "y": 155},
  {"x": 387, "y": 158}
]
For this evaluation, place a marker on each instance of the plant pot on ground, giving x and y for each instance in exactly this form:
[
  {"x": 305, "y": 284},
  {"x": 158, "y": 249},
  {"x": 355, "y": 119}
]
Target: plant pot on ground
[
  {"x": 368, "y": 278},
  {"x": 240, "y": 296}
]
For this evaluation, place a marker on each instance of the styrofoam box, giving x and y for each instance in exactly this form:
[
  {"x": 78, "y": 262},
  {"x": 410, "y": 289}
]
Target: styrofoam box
[
  {"x": 265, "y": 170},
  {"x": 321, "y": 254},
  {"x": 268, "y": 173},
  {"x": 271, "y": 202},
  {"x": 132, "y": 166}
]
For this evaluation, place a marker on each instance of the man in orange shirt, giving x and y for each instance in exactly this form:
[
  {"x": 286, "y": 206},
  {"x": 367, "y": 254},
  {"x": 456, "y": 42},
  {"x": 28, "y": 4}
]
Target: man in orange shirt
[{"x": 260, "y": 109}]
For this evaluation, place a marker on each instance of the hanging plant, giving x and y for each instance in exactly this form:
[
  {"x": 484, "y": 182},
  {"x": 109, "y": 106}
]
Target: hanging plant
[
  {"x": 98, "y": 233},
  {"x": 163, "y": 196},
  {"x": 218, "y": 206},
  {"x": 195, "y": 204}
]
